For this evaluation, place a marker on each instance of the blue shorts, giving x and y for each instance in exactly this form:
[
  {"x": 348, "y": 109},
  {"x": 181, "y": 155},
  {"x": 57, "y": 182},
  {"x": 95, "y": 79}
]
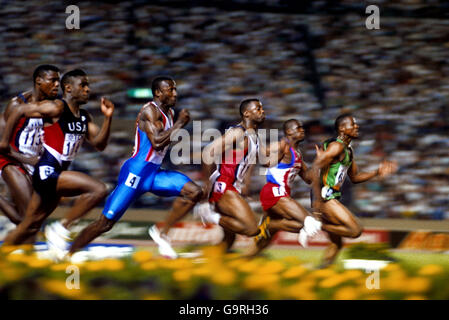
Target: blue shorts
[{"x": 136, "y": 178}]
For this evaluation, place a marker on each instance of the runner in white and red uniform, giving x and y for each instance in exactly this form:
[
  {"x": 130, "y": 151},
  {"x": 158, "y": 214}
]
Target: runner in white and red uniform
[
  {"x": 281, "y": 211},
  {"x": 65, "y": 128},
  {"x": 231, "y": 172},
  {"x": 21, "y": 149},
  {"x": 233, "y": 154}
]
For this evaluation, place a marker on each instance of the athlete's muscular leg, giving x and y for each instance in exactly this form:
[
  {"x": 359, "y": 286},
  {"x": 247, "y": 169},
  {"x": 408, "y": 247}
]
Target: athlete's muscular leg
[
  {"x": 189, "y": 196},
  {"x": 36, "y": 213},
  {"x": 289, "y": 209},
  {"x": 332, "y": 250},
  {"x": 21, "y": 190},
  {"x": 236, "y": 214},
  {"x": 343, "y": 221},
  {"x": 277, "y": 223},
  {"x": 92, "y": 191},
  {"x": 91, "y": 232}
]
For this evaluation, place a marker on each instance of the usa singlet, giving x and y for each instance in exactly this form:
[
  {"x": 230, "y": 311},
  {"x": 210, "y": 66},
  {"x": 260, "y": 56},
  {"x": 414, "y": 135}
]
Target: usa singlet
[
  {"x": 62, "y": 141},
  {"x": 142, "y": 173},
  {"x": 231, "y": 172},
  {"x": 279, "y": 180}
]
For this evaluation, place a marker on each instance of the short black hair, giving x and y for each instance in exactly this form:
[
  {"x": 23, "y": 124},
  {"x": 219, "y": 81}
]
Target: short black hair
[
  {"x": 340, "y": 119},
  {"x": 71, "y": 74},
  {"x": 40, "y": 70},
  {"x": 245, "y": 104},
  {"x": 288, "y": 123},
  {"x": 156, "y": 84}
]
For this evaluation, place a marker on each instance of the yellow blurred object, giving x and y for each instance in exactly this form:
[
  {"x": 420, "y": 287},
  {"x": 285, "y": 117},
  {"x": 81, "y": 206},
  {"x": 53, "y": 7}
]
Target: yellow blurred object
[
  {"x": 248, "y": 266},
  {"x": 142, "y": 256},
  {"x": 35, "y": 262},
  {"x": 415, "y": 297},
  {"x": 182, "y": 275},
  {"x": 149, "y": 265},
  {"x": 152, "y": 297},
  {"x": 269, "y": 267},
  {"x": 264, "y": 282},
  {"x": 417, "y": 285},
  {"x": 224, "y": 277},
  {"x": 60, "y": 266},
  {"x": 292, "y": 260},
  {"x": 294, "y": 272},
  {"x": 373, "y": 297},
  {"x": 430, "y": 270},
  {"x": 333, "y": 281},
  {"x": 346, "y": 293},
  {"x": 59, "y": 287},
  {"x": 322, "y": 273},
  {"x": 214, "y": 252},
  {"x": 113, "y": 264}
]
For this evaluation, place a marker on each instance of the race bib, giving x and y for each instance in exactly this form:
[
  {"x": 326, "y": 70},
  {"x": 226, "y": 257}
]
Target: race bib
[
  {"x": 219, "y": 187},
  {"x": 45, "y": 172},
  {"x": 132, "y": 181},
  {"x": 279, "y": 191}
]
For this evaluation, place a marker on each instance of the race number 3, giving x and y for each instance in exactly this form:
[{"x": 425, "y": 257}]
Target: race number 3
[{"x": 132, "y": 181}]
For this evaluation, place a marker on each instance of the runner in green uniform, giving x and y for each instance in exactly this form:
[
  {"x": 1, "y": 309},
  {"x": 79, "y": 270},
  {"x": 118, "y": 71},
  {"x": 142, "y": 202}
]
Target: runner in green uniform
[{"x": 329, "y": 171}]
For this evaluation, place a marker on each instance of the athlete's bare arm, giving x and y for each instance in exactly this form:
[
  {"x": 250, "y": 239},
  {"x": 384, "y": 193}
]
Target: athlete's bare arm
[
  {"x": 322, "y": 160},
  {"x": 275, "y": 152},
  {"x": 305, "y": 173},
  {"x": 150, "y": 122},
  {"x": 97, "y": 137},
  {"x": 41, "y": 109},
  {"x": 385, "y": 168}
]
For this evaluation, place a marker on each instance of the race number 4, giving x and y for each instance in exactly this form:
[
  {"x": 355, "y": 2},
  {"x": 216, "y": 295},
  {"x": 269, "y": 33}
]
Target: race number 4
[{"x": 132, "y": 181}]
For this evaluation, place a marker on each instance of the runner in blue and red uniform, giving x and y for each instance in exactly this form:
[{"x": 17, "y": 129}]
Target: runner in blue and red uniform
[
  {"x": 143, "y": 173},
  {"x": 282, "y": 212},
  {"x": 66, "y": 125}
]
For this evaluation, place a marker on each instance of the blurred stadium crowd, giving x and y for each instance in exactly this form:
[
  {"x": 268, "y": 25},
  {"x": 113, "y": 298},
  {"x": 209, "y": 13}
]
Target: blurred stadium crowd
[{"x": 310, "y": 65}]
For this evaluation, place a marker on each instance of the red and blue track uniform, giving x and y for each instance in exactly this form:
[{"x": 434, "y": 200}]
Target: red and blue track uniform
[{"x": 142, "y": 173}]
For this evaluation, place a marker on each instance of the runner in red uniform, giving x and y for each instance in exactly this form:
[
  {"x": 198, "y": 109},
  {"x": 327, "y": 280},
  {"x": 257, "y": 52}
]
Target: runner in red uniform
[
  {"x": 25, "y": 144},
  {"x": 236, "y": 152}
]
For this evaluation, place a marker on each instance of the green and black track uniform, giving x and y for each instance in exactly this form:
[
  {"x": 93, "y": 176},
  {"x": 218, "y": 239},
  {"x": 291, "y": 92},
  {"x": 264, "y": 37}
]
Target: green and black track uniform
[{"x": 334, "y": 175}]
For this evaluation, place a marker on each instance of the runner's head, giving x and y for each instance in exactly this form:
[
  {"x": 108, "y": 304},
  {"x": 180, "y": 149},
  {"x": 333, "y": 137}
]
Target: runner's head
[
  {"x": 346, "y": 125},
  {"x": 294, "y": 130},
  {"x": 46, "y": 81},
  {"x": 164, "y": 91},
  {"x": 252, "y": 110},
  {"x": 75, "y": 85}
]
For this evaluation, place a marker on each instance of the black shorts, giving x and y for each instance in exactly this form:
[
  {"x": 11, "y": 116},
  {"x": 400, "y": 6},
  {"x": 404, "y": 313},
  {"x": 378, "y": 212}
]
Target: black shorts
[{"x": 46, "y": 174}]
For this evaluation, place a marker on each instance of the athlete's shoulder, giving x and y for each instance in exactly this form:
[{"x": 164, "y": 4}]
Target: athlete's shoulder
[
  {"x": 333, "y": 146},
  {"x": 148, "y": 112},
  {"x": 86, "y": 114}
]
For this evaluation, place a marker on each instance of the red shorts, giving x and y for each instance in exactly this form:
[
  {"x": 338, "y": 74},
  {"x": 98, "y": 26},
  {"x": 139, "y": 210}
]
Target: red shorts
[
  {"x": 270, "y": 195},
  {"x": 4, "y": 161},
  {"x": 219, "y": 188}
]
